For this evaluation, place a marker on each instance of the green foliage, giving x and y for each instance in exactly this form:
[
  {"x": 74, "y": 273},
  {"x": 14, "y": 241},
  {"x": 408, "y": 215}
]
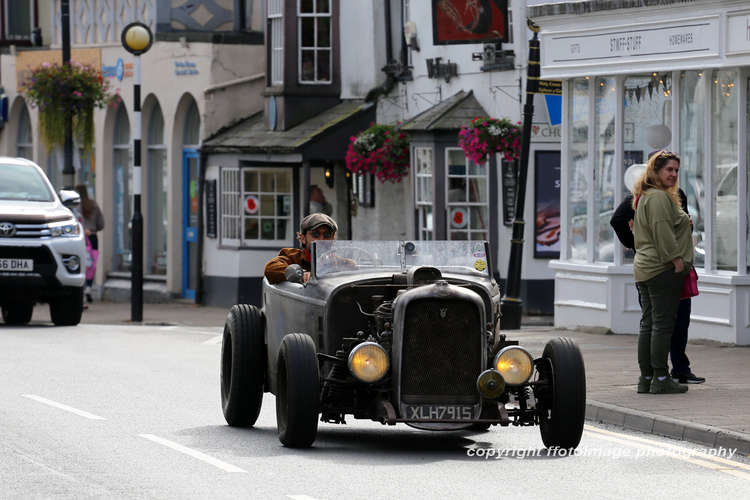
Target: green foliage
[{"x": 62, "y": 90}]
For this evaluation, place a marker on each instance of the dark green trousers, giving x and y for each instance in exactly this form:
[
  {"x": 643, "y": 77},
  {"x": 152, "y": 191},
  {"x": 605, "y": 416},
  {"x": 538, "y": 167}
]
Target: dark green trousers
[{"x": 660, "y": 299}]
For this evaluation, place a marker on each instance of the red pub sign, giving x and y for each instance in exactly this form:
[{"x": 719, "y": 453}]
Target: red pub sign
[{"x": 469, "y": 21}]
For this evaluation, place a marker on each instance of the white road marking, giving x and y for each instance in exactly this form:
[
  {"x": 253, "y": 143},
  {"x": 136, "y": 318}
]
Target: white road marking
[
  {"x": 213, "y": 341},
  {"x": 63, "y": 407},
  {"x": 301, "y": 497},
  {"x": 679, "y": 452},
  {"x": 193, "y": 453}
]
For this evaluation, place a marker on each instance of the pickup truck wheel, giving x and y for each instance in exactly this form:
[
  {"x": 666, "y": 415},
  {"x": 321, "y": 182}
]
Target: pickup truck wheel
[
  {"x": 242, "y": 365},
  {"x": 17, "y": 313},
  {"x": 67, "y": 310},
  {"x": 563, "y": 409},
  {"x": 298, "y": 394}
]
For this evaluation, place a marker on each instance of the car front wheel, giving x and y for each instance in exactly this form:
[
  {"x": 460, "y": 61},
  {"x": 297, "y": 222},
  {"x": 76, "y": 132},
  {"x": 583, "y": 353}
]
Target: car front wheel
[
  {"x": 563, "y": 404},
  {"x": 298, "y": 394},
  {"x": 17, "y": 313},
  {"x": 67, "y": 310},
  {"x": 242, "y": 365}
]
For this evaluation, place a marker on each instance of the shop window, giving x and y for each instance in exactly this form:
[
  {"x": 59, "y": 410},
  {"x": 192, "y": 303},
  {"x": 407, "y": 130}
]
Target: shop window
[
  {"x": 692, "y": 115},
  {"x": 578, "y": 188},
  {"x": 314, "y": 35},
  {"x": 256, "y": 206},
  {"x": 156, "y": 223},
  {"x": 122, "y": 191},
  {"x": 423, "y": 192},
  {"x": 724, "y": 158},
  {"x": 467, "y": 197},
  {"x": 605, "y": 171},
  {"x": 24, "y": 139},
  {"x": 276, "y": 39},
  {"x": 191, "y": 129}
]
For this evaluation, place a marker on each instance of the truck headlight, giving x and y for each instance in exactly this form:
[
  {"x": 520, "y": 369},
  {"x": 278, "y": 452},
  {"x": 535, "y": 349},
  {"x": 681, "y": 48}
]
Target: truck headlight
[
  {"x": 515, "y": 364},
  {"x": 368, "y": 362},
  {"x": 64, "y": 229}
]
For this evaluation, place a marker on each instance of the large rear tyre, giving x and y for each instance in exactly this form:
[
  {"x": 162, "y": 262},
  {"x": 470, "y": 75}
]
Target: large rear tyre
[
  {"x": 298, "y": 398},
  {"x": 67, "y": 310},
  {"x": 563, "y": 405},
  {"x": 17, "y": 313},
  {"x": 243, "y": 356}
]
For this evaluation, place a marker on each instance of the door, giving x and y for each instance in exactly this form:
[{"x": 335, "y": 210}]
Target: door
[{"x": 190, "y": 264}]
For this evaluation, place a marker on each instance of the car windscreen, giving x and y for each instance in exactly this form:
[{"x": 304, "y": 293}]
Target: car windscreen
[
  {"x": 23, "y": 182},
  {"x": 339, "y": 256}
]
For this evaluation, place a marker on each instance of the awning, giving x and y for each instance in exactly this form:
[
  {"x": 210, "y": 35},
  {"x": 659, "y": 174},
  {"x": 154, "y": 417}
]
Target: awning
[{"x": 450, "y": 114}]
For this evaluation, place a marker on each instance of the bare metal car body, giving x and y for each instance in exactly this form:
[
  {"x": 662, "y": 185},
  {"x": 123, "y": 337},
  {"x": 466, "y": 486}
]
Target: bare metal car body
[{"x": 434, "y": 309}]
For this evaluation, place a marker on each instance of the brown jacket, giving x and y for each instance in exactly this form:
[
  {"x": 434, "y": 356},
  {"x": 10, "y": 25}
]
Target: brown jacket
[{"x": 276, "y": 267}]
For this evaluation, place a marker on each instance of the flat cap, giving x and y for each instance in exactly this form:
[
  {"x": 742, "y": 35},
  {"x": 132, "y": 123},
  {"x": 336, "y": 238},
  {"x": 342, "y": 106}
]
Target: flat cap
[{"x": 313, "y": 221}]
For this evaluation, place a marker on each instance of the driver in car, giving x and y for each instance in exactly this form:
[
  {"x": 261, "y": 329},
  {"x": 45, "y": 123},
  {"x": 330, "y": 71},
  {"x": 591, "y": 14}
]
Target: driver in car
[{"x": 314, "y": 227}]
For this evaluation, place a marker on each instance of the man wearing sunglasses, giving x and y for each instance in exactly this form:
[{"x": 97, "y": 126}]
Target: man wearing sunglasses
[{"x": 314, "y": 227}]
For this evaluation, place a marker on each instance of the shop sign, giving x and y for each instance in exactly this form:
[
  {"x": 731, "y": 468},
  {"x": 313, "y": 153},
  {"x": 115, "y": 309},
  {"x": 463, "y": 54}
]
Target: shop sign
[
  {"x": 544, "y": 132},
  {"x": 183, "y": 68},
  {"x": 251, "y": 205},
  {"x": 119, "y": 70},
  {"x": 29, "y": 60},
  {"x": 547, "y": 204},
  {"x": 509, "y": 179},
  {"x": 459, "y": 218},
  {"x": 678, "y": 39},
  {"x": 738, "y": 33},
  {"x": 211, "y": 218}
]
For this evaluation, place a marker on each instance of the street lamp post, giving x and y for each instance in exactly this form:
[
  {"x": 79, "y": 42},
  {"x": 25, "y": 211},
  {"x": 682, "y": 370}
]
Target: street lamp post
[
  {"x": 511, "y": 304},
  {"x": 137, "y": 39},
  {"x": 68, "y": 171}
]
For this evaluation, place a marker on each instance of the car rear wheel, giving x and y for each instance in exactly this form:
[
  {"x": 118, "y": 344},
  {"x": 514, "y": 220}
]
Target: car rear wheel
[
  {"x": 242, "y": 365},
  {"x": 563, "y": 405},
  {"x": 298, "y": 394},
  {"x": 18, "y": 313},
  {"x": 67, "y": 310}
]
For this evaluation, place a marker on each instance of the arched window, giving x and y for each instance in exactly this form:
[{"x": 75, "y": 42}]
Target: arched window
[
  {"x": 122, "y": 190},
  {"x": 191, "y": 132},
  {"x": 24, "y": 139},
  {"x": 156, "y": 256}
]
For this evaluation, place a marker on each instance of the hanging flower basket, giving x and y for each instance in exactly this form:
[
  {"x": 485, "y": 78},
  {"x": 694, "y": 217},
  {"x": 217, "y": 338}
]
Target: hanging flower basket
[
  {"x": 381, "y": 150},
  {"x": 490, "y": 135},
  {"x": 57, "y": 91}
]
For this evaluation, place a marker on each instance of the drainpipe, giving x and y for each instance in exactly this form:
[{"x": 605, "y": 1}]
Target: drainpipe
[{"x": 384, "y": 89}]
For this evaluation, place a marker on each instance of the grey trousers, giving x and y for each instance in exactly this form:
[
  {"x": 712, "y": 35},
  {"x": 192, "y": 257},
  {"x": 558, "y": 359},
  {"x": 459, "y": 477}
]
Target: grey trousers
[{"x": 660, "y": 299}]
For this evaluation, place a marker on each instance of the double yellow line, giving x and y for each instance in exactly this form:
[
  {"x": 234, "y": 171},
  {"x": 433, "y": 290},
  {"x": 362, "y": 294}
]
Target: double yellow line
[{"x": 683, "y": 453}]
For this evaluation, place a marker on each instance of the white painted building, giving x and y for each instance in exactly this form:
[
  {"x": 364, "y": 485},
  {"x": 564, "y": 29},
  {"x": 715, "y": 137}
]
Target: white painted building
[{"x": 640, "y": 76}]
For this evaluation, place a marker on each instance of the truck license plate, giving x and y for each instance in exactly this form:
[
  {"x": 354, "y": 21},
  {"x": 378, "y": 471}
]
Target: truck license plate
[
  {"x": 16, "y": 265},
  {"x": 439, "y": 412}
]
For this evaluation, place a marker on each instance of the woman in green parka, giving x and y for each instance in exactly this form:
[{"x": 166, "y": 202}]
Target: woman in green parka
[{"x": 663, "y": 257}]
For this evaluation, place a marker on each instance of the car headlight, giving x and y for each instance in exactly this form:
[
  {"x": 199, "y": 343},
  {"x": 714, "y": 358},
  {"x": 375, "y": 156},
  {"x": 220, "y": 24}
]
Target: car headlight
[
  {"x": 515, "y": 364},
  {"x": 64, "y": 229},
  {"x": 368, "y": 362}
]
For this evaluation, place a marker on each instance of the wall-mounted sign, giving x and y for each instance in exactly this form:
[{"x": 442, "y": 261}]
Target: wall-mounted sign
[
  {"x": 182, "y": 68},
  {"x": 544, "y": 132},
  {"x": 547, "y": 204},
  {"x": 211, "y": 218},
  {"x": 509, "y": 179},
  {"x": 550, "y": 87},
  {"x": 677, "y": 39},
  {"x": 469, "y": 21},
  {"x": 251, "y": 205},
  {"x": 119, "y": 70},
  {"x": 738, "y": 33}
]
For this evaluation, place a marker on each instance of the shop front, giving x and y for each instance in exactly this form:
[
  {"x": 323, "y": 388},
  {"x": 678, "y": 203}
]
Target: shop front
[{"x": 646, "y": 79}]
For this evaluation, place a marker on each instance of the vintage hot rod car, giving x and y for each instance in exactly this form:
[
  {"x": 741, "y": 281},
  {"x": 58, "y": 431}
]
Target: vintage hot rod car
[{"x": 395, "y": 331}]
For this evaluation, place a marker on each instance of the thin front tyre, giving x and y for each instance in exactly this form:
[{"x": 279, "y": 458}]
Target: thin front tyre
[
  {"x": 298, "y": 398},
  {"x": 242, "y": 365},
  {"x": 563, "y": 407},
  {"x": 17, "y": 313}
]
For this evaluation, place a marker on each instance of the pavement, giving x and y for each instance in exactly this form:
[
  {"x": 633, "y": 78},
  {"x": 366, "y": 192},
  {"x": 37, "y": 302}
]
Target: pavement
[{"x": 713, "y": 414}]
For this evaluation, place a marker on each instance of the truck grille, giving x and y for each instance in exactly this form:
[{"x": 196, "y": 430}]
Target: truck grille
[
  {"x": 32, "y": 231},
  {"x": 442, "y": 352}
]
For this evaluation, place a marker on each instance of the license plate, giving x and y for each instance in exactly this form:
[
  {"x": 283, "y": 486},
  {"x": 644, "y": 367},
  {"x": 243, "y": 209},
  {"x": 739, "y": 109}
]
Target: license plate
[
  {"x": 16, "y": 264},
  {"x": 439, "y": 412}
]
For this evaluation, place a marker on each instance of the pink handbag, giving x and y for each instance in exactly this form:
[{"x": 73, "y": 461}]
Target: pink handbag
[{"x": 690, "y": 285}]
